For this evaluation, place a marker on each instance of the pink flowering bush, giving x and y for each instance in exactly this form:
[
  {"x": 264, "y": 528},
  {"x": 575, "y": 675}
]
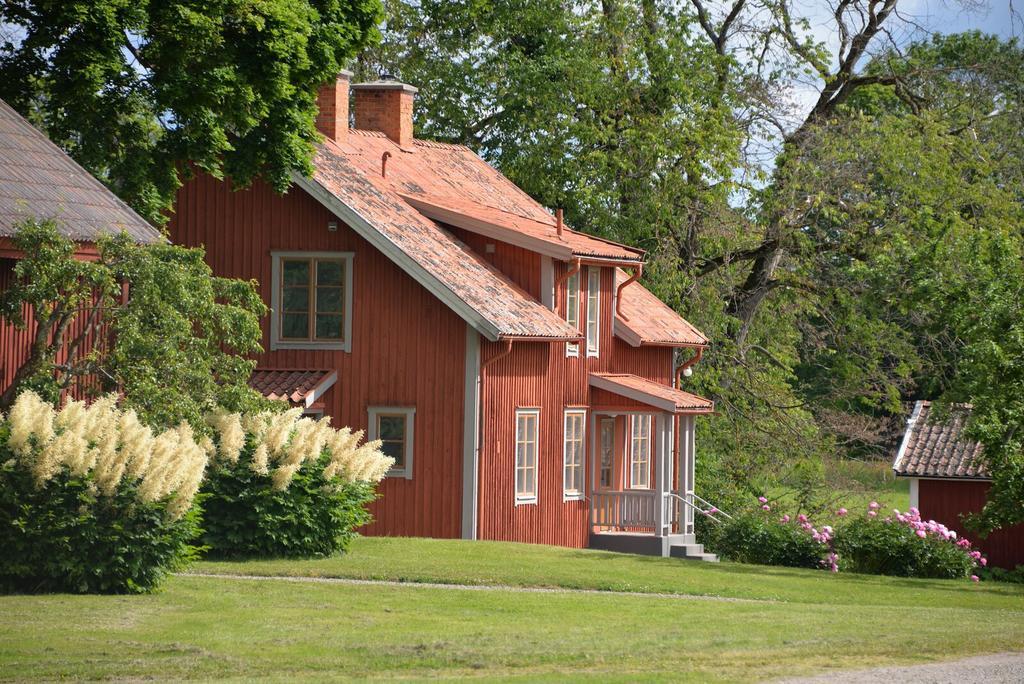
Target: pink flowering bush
[
  {"x": 759, "y": 536},
  {"x": 905, "y": 545},
  {"x": 902, "y": 544}
]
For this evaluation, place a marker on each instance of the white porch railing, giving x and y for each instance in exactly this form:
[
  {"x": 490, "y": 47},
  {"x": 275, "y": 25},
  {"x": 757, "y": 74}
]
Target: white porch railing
[
  {"x": 627, "y": 509},
  {"x": 637, "y": 508}
]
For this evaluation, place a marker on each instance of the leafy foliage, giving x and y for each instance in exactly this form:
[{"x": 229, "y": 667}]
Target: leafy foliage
[
  {"x": 135, "y": 90},
  {"x": 246, "y": 515},
  {"x": 175, "y": 347}
]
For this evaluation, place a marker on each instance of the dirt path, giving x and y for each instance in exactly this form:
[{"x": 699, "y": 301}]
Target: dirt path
[
  {"x": 991, "y": 669},
  {"x": 469, "y": 587}
]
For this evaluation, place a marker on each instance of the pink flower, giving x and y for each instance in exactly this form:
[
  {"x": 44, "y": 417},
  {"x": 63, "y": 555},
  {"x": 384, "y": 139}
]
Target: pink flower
[
  {"x": 801, "y": 518},
  {"x": 762, "y": 499},
  {"x": 974, "y": 578},
  {"x": 712, "y": 510},
  {"x": 841, "y": 512},
  {"x": 922, "y": 534},
  {"x": 766, "y": 507},
  {"x": 872, "y": 514},
  {"x": 983, "y": 561},
  {"x": 874, "y": 506},
  {"x": 784, "y": 519}
]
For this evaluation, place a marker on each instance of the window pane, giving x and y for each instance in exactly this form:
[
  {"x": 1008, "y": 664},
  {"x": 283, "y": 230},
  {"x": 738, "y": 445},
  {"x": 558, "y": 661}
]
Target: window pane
[
  {"x": 391, "y": 427},
  {"x": 296, "y": 272},
  {"x": 295, "y": 325},
  {"x": 328, "y": 300},
  {"x": 328, "y": 272},
  {"x": 328, "y": 327},
  {"x": 295, "y": 299},
  {"x": 395, "y": 450}
]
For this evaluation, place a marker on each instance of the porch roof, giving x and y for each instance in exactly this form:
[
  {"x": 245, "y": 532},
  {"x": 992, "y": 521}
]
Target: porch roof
[
  {"x": 651, "y": 393},
  {"x": 297, "y": 386}
]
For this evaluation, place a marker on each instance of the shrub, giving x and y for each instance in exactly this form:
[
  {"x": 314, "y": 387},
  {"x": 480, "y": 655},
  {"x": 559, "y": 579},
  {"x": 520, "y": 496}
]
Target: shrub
[
  {"x": 903, "y": 545},
  {"x": 758, "y": 538},
  {"x": 281, "y": 485},
  {"x": 91, "y": 500}
]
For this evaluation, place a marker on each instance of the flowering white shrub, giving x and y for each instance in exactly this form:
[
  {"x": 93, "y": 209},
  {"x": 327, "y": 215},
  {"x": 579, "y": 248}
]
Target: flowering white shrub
[
  {"x": 282, "y": 442},
  {"x": 281, "y": 484},
  {"x": 108, "y": 445}
]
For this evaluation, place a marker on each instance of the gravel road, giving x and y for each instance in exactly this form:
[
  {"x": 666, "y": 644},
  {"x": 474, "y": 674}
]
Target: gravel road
[{"x": 991, "y": 669}]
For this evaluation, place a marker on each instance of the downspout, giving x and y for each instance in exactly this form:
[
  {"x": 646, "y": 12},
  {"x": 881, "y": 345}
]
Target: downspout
[
  {"x": 577, "y": 265},
  {"x": 618, "y": 293},
  {"x": 681, "y": 371}
]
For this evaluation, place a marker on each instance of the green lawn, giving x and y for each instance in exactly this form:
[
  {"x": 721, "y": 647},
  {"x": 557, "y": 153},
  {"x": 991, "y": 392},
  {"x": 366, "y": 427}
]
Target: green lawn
[{"x": 207, "y": 628}]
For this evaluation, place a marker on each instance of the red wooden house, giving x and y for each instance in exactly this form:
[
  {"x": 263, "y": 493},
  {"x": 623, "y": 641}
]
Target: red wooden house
[
  {"x": 516, "y": 370},
  {"x": 948, "y": 479},
  {"x": 39, "y": 181}
]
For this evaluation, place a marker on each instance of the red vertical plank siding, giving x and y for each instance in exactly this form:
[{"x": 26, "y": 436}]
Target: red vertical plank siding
[
  {"x": 408, "y": 349},
  {"x": 521, "y": 265},
  {"x": 945, "y": 501},
  {"x": 538, "y": 375}
]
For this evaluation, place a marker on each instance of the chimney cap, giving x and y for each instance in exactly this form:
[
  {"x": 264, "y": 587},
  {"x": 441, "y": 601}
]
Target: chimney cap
[{"x": 385, "y": 85}]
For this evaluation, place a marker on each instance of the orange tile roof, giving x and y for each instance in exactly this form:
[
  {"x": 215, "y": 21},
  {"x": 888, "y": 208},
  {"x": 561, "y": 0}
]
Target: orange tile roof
[
  {"x": 454, "y": 180},
  {"x": 39, "y": 180},
  {"x": 293, "y": 385},
  {"x": 934, "y": 447},
  {"x": 646, "y": 319},
  {"x": 476, "y": 290},
  {"x": 538, "y": 236},
  {"x": 651, "y": 393}
]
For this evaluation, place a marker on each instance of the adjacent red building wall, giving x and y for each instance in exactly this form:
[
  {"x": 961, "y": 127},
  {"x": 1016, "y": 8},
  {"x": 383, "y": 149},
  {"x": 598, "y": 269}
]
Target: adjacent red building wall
[
  {"x": 408, "y": 348},
  {"x": 946, "y": 501}
]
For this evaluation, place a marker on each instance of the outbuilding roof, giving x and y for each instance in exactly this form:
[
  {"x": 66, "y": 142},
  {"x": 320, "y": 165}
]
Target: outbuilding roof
[
  {"x": 39, "y": 180},
  {"x": 934, "y": 445},
  {"x": 473, "y": 288},
  {"x": 645, "y": 319}
]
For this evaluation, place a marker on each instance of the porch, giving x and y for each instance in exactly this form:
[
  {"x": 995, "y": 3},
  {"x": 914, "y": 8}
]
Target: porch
[{"x": 642, "y": 468}]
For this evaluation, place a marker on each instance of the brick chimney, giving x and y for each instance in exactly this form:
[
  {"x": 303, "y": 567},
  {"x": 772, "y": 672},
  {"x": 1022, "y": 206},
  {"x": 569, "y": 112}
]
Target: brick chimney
[
  {"x": 332, "y": 100},
  {"x": 386, "y": 106}
]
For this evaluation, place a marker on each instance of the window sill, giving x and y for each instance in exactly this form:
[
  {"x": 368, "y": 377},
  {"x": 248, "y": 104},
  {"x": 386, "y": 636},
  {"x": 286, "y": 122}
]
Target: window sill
[
  {"x": 526, "y": 501},
  {"x": 321, "y": 346},
  {"x": 399, "y": 474},
  {"x": 572, "y": 496}
]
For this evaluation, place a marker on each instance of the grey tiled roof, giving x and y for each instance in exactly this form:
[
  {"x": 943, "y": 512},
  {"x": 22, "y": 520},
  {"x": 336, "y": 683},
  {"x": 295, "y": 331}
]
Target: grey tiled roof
[
  {"x": 934, "y": 446},
  {"x": 38, "y": 180}
]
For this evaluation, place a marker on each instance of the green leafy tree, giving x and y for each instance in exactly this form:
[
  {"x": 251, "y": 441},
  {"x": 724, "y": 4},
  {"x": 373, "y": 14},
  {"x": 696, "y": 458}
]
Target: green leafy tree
[
  {"x": 135, "y": 90},
  {"x": 150, "y": 321}
]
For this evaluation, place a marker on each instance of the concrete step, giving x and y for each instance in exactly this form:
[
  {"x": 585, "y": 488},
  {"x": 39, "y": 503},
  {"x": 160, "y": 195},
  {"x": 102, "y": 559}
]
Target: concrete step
[{"x": 692, "y": 552}]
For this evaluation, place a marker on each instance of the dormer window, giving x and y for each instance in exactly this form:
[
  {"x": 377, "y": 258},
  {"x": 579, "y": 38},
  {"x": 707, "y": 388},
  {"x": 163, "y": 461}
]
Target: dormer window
[
  {"x": 593, "y": 310},
  {"x": 572, "y": 310},
  {"x": 311, "y": 300}
]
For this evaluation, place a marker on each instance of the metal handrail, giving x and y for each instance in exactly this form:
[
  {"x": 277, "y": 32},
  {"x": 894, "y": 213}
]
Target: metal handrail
[
  {"x": 710, "y": 513},
  {"x": 708, "y": 503}
]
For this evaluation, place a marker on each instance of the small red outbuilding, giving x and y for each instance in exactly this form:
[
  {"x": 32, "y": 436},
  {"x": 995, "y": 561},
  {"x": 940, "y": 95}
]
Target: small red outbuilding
[{"x": 948, "y": 479}]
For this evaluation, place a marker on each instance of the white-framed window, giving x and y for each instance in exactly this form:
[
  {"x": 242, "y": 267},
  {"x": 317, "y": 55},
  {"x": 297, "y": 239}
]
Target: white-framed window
[
  {"x": 572, "y": 453},
  {"x": 394, "y": 426},
  {"x": 593, "y": 310},
  {"x": 572, "y": 310},
  {"x": 527, "y": 431},
  {"x": 607, "y": 451},
  {"x": 311, "y": 300},
  {"x": 640, "y": 452}
]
